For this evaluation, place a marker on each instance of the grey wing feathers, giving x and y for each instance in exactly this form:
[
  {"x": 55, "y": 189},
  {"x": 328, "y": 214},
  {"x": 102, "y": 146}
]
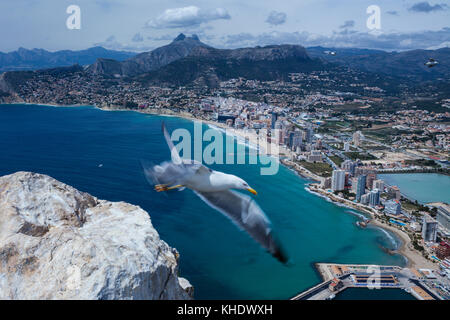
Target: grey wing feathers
[{"x": 247, "y": 215}]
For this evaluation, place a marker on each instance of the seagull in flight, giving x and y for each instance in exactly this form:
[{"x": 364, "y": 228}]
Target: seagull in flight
[
  {"x": 216, "y": 189},
  {"x": 431, "y": 63}
]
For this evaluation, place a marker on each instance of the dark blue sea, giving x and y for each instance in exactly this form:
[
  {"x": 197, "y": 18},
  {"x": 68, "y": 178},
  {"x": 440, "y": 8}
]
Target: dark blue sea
[{"x": 99, "y": 152}]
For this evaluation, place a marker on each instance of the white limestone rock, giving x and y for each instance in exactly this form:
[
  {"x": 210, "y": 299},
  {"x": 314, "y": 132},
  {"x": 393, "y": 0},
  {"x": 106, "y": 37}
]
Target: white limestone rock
[{"x": 59, "y": 243}]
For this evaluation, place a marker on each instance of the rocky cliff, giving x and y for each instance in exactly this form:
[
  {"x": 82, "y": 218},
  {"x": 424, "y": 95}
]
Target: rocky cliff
[
  {"x": 59, "y": 243},
  {"x": 206, "y": 66},
  {"x": 144, "y": 62}
]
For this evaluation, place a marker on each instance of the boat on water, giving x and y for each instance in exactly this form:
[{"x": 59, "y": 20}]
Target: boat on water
[{"x": 361, "y": 224}]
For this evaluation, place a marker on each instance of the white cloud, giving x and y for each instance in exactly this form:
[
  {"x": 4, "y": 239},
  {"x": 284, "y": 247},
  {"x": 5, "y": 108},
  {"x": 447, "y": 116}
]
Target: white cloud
[
  {"x": 445, "y": 44},
  {"x": 112, "y": 43},
  {"x": 191, "y": 16},
  {"x": 125, "y": 18},
  {"x": 276, "y": 18},
  {"x": 389, "y": 42},
  {"x": 406, "y": 43},
  {"x": 392, "y": 12},
  {"x": 427, "y": 8}
]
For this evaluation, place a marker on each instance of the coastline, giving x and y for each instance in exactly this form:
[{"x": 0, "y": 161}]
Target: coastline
[
  {"x": 272, "y": 150},
  {"x": 49, "y": 105},
  {"x": 301, "y": 171},
  {"x": 338, "y": 200},
  {"x": 413, "y": 257}
]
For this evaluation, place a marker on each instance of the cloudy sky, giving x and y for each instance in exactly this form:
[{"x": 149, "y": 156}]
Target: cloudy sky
[{"x": 141, "y": 25}]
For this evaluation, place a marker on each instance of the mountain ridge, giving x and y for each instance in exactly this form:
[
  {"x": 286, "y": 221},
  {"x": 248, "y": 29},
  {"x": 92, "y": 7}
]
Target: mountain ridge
[
  {"x": 144, "y": 62},
  {"x": 405, "y": 64},
  {"x": 188, "y": 61},
  {"x": 209, "y": 66},
  {"x": 33, "y": 59}
]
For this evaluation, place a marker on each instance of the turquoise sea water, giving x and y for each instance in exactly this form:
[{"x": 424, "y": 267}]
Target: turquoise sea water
[
  {"x": 424, "y": 187},
  {"x": 220, "y": 261}
]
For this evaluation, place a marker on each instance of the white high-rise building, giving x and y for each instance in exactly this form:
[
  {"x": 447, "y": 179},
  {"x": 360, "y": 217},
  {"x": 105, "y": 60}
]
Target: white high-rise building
[
  {"x": 315, "y": 156},
  {"x": 354, "y": 184},
  {"x": 349, "y": 166},
  {"x": 429, "y": 229},
  {"x": 365, "y": 198},
  {"x": 338, "y": 180},
  {"x": 374, "y": 197},
  {"x": 360, "y": 187},
  {"x": 346, "y": 146},
  {"x": 378, "y": 184},
  {"x": 357, "y": 136},
  {"x": 393, "y": 207}
]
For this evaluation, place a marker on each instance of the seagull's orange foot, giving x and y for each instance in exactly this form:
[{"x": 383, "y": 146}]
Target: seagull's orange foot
[{"x": 161, "y": 187}]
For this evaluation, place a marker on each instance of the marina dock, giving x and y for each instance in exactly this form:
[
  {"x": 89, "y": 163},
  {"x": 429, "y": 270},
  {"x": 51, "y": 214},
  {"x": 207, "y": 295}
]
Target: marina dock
[{"x": 338, "y": 277}]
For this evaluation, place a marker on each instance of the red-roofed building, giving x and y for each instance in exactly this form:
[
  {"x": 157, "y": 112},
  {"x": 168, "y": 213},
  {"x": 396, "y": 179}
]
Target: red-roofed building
[{"x": 443, "y": 250}]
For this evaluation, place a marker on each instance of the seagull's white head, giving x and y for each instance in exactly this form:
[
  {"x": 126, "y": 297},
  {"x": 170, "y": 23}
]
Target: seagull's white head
[{"x": 239, "y": 183}]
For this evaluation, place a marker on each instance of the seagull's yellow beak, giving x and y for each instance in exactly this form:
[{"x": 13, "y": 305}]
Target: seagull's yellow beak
[{"x": 252, "y": 191}]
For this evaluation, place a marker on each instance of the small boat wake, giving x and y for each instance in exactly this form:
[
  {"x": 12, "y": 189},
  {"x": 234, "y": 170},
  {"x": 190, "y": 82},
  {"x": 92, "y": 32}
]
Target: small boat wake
[{"x": 359, "y": 215}]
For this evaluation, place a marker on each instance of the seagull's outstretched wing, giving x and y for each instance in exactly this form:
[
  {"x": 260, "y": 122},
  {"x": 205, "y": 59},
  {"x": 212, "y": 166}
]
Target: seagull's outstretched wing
[
  {"x": 247, "y": 215},
  {"x": 173, "y": 151}
]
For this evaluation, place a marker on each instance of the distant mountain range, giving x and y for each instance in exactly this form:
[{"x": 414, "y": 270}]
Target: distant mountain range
[
  {"x": 24, "y": 59},
  {"x": 188, "y": 61},
  {"x": 406, "y": 64}
]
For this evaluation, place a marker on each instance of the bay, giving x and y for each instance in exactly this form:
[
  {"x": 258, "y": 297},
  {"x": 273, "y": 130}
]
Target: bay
[{"x": 99, "y": 152}]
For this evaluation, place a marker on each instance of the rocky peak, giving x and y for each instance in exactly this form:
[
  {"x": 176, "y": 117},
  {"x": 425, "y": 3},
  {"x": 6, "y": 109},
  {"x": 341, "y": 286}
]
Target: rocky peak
[
  {"x": 180, "y": 37},
  {"x": 183, "y": 37}
]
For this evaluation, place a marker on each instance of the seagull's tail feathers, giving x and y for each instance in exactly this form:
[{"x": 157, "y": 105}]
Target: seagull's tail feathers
[{"x": 166, "y": 173}]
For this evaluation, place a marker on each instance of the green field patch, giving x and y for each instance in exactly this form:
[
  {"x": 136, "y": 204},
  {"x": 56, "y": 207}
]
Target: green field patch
[
  {"x": 320, "y": 168},
  {"x": 360, "y": 155}
]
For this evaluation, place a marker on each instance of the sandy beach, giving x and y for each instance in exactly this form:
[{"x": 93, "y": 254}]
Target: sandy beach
[
  {"x": 254, "y": 139},
  {"x": 415, "y": 258}
]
